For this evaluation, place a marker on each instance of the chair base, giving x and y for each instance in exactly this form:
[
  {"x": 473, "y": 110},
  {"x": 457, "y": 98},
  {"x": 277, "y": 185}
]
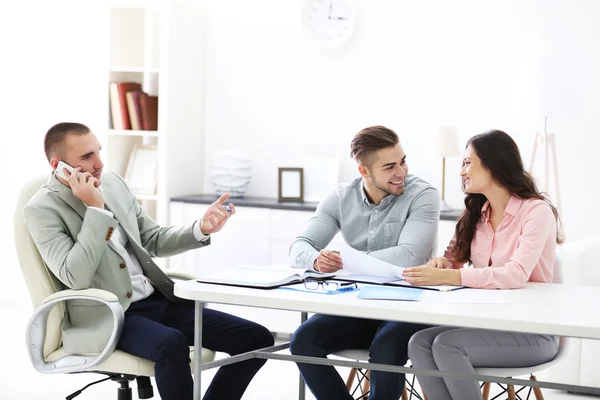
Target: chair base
[
  {"x": 124, "y": 392},
  {"x": 511, "y": 392},
  {"x": 364, "y": 385}
]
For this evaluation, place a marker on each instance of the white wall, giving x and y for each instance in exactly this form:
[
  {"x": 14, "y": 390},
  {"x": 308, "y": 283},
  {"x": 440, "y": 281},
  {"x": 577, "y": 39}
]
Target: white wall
[
  {"x": 410, "y": 65},
  {"x": 53, "y": 60}
]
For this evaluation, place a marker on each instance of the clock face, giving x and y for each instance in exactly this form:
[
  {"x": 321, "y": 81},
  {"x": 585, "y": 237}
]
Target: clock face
[{"x": 329, "y": 23}]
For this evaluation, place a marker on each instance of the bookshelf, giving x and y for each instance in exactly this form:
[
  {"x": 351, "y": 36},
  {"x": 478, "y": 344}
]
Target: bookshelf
[{"x": 160, "y": 45}]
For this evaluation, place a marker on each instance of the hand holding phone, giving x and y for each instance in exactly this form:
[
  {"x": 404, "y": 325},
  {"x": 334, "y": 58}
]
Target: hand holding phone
[
  {"x": 60, "y": 170},
  {"x": 83, "y": 185}
]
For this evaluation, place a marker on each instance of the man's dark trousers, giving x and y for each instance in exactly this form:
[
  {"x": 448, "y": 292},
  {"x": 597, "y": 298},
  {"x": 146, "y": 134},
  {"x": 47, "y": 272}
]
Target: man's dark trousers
[
  {"x": 162, "y": 331},
  {"x": 326, "y": 334}
]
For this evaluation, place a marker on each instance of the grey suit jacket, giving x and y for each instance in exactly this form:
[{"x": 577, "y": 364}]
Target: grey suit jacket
[{"x": 75, "y": 245}]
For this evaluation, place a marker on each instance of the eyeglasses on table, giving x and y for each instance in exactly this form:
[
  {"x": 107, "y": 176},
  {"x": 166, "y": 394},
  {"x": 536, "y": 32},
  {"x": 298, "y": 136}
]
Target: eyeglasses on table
[{"x": 329, "y": 286}]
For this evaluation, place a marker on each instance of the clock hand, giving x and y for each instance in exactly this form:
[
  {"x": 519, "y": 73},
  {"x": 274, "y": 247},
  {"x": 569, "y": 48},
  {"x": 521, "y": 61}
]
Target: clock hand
[{"x": 330, "y": 17}]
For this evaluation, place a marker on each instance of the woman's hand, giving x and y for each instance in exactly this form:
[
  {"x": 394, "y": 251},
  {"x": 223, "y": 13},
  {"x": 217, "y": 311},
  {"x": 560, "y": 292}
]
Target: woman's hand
[
  {"x": 425, "y": 275},
  {"x": 440, "y": 263}
]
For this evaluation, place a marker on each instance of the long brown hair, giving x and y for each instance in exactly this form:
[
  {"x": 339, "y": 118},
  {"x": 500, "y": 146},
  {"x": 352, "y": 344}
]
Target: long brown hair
[{"x": 500, "y": 156}]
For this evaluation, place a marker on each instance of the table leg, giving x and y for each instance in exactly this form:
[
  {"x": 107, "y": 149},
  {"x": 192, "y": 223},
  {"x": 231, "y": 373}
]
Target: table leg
[
  {"x": 198, "y": 351},
  {"x": 302, "y": 387}
]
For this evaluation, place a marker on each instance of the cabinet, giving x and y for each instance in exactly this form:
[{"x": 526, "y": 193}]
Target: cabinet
[
  {"x": 160, "y": 45},
  {"x": 258, "y": 236}
]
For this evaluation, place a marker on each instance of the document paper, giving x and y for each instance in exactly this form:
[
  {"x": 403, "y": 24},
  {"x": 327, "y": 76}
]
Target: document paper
[{"x": 357, "y": 262}]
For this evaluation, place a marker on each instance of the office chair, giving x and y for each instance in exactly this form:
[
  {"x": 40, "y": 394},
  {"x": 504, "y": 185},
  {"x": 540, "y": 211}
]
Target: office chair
[
  {"x": 363, "y": 377},
  {"x": 531, "y": 371},
  {"x": 44, "y": 336}
]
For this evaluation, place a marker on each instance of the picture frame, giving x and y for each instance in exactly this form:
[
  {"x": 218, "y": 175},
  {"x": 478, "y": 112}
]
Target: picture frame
[
  {"x": 291, "y": 184},
  {"x": 142, "y": 169}
]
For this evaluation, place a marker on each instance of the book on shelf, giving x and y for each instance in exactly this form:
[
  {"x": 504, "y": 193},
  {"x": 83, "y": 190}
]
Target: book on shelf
[
  {"x": 264, "y": 277},
  {"x": 132, "y": 108},
  {"x": 118, "y": 103},
  {"x": 149, "y": 111}
]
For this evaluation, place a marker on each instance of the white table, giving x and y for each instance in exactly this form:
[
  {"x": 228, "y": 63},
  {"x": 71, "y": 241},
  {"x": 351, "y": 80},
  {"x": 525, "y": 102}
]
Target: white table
[{"x": 537, "y": 308}]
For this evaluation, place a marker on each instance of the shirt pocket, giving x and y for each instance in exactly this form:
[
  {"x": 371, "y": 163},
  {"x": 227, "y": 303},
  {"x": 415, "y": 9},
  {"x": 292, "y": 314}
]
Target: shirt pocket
[
  {"x": 391, "y": 234},
  {"x": 479, "y": 244}
]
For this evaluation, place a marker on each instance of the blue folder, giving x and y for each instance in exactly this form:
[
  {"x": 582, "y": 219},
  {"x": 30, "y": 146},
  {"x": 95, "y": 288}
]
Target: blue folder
[{"x": 390, "y": 293}]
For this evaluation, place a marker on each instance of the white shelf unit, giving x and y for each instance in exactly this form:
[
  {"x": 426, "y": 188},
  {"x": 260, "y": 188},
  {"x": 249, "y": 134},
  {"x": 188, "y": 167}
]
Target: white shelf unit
[
  {"x": 131, "y": 132},
  {"x": 160, "y": 44}
]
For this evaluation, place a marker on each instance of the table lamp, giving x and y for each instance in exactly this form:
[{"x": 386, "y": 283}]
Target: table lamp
[{"x": 446, "y": 145}]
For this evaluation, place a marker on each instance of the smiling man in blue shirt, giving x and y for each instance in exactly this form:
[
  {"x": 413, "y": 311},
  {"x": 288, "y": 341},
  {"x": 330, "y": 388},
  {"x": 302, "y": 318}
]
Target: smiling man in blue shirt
[{"x": 389, "y": 215}]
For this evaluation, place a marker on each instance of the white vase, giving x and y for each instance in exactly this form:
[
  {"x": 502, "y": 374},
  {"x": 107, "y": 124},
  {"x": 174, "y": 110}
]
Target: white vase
[{"x": 230, "y": 172}]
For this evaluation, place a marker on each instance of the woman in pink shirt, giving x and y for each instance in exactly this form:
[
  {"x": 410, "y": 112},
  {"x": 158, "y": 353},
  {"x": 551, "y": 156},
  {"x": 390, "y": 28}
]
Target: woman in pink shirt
[{"x": 508, "y": 234}]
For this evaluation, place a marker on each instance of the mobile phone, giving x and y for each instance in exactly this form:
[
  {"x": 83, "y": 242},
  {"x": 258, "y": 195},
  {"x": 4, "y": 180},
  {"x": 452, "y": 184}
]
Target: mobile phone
[
  {"x": 60, "y": 170},
  {"x": 61, "y": 173}
]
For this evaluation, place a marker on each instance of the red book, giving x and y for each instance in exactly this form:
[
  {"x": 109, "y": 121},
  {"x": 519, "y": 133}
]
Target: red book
[
  {"x": 149, "y": 109},
  {"x": 118, "y": 103}
]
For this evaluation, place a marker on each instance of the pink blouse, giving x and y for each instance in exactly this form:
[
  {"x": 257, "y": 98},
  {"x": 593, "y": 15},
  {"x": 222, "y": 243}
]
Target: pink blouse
[{"x": 521, "y": 250}]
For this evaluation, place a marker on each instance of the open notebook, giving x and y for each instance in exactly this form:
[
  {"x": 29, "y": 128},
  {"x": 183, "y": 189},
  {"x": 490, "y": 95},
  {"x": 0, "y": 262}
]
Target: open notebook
[{"x": 265, "y": 277}]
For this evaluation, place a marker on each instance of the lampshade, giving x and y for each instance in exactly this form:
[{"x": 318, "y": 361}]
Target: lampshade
[{"x": 446, "y": 144}]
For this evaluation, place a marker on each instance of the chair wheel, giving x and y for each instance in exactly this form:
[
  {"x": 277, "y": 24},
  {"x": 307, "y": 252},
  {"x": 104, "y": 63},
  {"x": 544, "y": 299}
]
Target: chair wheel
[
  {"x": 124, "y": 394},
  {"x": 145, "y": 392}
]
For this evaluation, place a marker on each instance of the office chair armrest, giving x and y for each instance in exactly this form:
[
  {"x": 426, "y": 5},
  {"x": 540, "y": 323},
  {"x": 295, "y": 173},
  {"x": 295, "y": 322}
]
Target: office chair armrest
[
  {"x": 95, "y": 294},
  {"x": 36, "y": 332},
  {"x": 180, "y": 274}
]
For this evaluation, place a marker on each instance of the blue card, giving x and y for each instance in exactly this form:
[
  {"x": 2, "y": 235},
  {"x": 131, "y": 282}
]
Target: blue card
[{"x": 389, "y": 293}]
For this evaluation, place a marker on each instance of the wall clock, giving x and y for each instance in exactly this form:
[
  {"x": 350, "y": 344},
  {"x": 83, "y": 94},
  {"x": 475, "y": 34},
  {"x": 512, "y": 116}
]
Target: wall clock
[{"x": 329, "y": 23}]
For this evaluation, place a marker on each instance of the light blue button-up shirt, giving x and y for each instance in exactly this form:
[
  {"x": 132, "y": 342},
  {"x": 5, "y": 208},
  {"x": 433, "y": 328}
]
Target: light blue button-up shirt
[{"x": 401, "y": 230}]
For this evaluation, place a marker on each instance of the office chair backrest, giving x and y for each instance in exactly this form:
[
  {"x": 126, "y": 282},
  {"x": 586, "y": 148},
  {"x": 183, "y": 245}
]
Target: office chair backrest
[
  {"x": 41, "y": 283},
  {"x": 557, "y": 276}
]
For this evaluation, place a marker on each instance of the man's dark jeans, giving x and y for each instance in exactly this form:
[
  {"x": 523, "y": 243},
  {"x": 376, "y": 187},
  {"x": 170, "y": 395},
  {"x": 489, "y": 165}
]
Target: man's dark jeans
[
  {"x": 160, "y": 330},
  {"x": 325, "y": 334}
]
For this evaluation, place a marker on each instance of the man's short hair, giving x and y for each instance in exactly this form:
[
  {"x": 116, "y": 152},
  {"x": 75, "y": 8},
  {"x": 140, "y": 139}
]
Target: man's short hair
[
  {"x": 55, "y": 137},
  {"x": 371, "y": 139}
]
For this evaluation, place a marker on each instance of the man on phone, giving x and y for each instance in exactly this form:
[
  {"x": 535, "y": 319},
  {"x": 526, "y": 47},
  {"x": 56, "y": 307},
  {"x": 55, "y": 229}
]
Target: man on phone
[
  {"x": 389, "y": 215},
  {"x": 91, "y": 238}
]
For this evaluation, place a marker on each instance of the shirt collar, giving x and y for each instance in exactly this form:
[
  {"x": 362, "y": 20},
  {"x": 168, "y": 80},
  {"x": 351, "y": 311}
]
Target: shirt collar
[
  {"x": 365, "y": 198},
  {"x": 363, "y": 193},
  {"x": 513, "y": 206}
]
